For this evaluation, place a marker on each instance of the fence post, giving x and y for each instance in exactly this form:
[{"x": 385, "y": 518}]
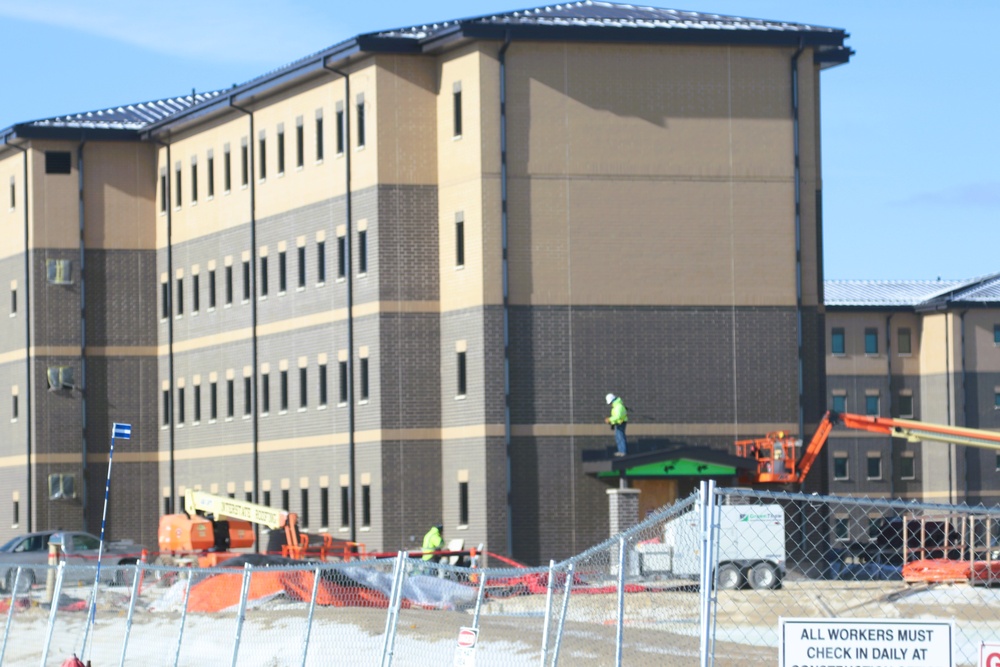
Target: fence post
[
  {"x": 619, "y": 635},
  {"x": 479, "y": 599},
  {"x": 309, "y": 619},
  {"x": 184, "y": 613},
  {"x": 562, "y": 617},
  {"x": 706, "y": 518},
  {"x": 52, "y": 615},
  {"x": 131, "y": 608},
  {"x": 396, "y": 601},
  {"x": 548, "y": 611},
  {"x": 241, "y": 614},
  {"x": 10, "y": 613}
]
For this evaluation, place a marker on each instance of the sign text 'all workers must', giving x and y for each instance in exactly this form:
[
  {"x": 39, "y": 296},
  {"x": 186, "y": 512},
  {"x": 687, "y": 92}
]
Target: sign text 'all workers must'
[{"x": 811, "y": 642}]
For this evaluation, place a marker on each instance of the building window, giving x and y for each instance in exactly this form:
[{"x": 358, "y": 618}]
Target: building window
[
  {"x": 996, "y": 334},
  {"x": 163, "y": 191},
  {"x": 871, "y": 406},
  {"x": 456, "y": 106},
  {"x": 227, "y": 169},
  {"x": 904, "y": 343},
  {"x": 302, "y": 267},
  {"x": 13, "y": 302},
  {"x": 906, "y": 405},
  {"x": 211, "y": 289},
  {"x": 197, "y": 403},
  {"x": 262, "y": 156},
  {"x": 341, "y": 257},
  {"x": 248, "y": 496},
  {"x": 281, "y": 149},
  {"x": 282, "y": 272},
  {"x": 58, "y": 162},
  {"x": 841, "y": 470},
  {"x": 363, "y": 252},
  {"x": 229, "y": 285},
  {"x": 213, "y": 401},
  {"x": 60, "y": 271},
  {"x": 180, "y": 405},
  {"x": 210, "y": 174},
  {"x": 341, "y": 134},
  {"x": 247, "y": 397},
  {"x": 164, "y": 300},
  {"x": 194, "y": 180},
  {"x": 284, "y": 499},
  {"x": 461, "y": 374},
  {"x": 13, "y": 408},
  {"x": 267, "y": 498},
  {"x": 840, "y": 528},
  {"x": 463, "y": 503},
  {"x": 13, "y": 200},
  {"x": 366, "y": 505},
  {"x": 265, "y": 393},
  {"x": 345, "y": 506},
  {"x": 17, "y": 513},
  {"x": 996, "y": 400},
  {"x": 167, "y": 505},
  {"x": 304, "y": 499},
  {"x": 364, "y": 379},
  {"x": 195, "y": 293},
  {"x": 840, "y": 404},
  {"x": 300, "y": 149},
  {"x": 874, "y": 466},
  {"x": 230, "y": 399},
  {"x": 263, "y": 276},
  {"x": 322, "y": 385},
  {"x": 284, "y": 391},
  {"x": 459, "y": 241},
  {"x": 321, "y": 262},
  {"x": 245, "y": 163},
  {"x": 166, "y": 407},
  {"x": 319, "y": 135},
  {"x": 907, "y": 469},
  {"x": 180, "y": 297},
  {"x": 361, "y": 121},
  {"x": 343, "y": 383},
  {"x": 246, "y": 281},
  {"x": 324, "y": 507},
  {"x": 177, "y": 185},
  {"x": 303, "y": 388},
  {"x": 871, "y": 341},
  {"x": 837, "y": 341}
]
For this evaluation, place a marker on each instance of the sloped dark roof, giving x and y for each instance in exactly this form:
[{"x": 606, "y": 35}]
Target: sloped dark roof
[
  {"x": 123, "y": 121},
  {"x": 915, "y": 294}
]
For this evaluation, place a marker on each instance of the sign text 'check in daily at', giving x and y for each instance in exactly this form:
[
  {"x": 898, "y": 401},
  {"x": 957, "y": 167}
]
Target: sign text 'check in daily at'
[{"x": 811, "y": 642}]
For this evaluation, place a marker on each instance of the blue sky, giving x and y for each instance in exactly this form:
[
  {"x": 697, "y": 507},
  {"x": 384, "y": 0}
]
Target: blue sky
[{"x": 910, "y": 138}]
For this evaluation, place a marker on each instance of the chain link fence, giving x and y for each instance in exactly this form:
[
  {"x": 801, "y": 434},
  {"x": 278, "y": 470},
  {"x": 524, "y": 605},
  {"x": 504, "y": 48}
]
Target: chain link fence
[{"x": 637, "y": 599}]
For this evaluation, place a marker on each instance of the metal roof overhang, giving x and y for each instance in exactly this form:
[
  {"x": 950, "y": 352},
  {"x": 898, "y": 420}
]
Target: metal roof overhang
[
  {"x": 674, "y": 461},
  {"x": 69, "y": 133}
]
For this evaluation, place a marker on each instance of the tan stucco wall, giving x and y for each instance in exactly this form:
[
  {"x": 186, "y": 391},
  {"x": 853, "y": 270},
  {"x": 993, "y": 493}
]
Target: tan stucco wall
[
  {"x": 692, "y": 168},
  {"x": 854, "y": 361},
  {"x": 12, "y": 217},
  {"x": 981, "y": 353},
  {"x": 407, "y": 120},
  {"x": 119, "y": 191},
  {"x": 54, "y": 211}
]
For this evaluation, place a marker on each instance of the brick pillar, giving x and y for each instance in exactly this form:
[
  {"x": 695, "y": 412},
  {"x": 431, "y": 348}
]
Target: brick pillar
[{"x": 623, "y": 509}]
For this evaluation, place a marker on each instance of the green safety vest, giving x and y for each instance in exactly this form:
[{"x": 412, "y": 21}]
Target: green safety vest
[{"x": 619, "y": 415}]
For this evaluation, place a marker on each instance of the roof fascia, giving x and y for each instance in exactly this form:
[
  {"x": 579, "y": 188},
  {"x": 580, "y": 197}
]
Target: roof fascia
[
  {"x": 571, "y": 33},
  {"x": 842, "y": 308},
  {"x": 254, "y": 90},
  {"x": 26, "y": 131}
]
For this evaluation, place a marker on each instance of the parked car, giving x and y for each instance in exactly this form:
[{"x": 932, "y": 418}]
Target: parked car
[
  {"x": 79, "y": 549},
  {"x": 861, "y": 561}
]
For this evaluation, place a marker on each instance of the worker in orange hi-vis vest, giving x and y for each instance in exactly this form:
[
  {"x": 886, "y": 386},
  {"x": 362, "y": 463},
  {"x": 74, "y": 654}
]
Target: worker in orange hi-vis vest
[{"x": 618, "y": 421}]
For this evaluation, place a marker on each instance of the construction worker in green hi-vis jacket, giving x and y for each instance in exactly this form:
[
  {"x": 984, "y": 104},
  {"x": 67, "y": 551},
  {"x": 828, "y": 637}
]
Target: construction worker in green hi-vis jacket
[
  {"x": 433, "y": 541},
  {"x": 618, "y": 421}
]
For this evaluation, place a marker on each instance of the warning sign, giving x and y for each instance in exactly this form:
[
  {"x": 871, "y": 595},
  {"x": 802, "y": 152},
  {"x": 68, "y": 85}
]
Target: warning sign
[
  {"x": 989, "y": 655},
  {"x": 465, "y": 652},
  {"x": 810, "y": 642}
]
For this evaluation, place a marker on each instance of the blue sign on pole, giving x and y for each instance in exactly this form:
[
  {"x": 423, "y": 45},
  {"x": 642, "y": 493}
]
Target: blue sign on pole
[{"x": 121, "y": 431}]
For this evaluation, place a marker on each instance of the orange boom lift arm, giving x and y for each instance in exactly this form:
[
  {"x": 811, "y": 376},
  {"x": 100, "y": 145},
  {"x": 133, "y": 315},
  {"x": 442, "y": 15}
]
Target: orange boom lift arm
[{"x": 777, "y": 453}]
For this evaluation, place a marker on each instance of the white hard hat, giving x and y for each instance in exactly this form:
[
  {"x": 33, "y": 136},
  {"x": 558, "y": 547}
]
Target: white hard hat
[{"x": 609, "y": 398}]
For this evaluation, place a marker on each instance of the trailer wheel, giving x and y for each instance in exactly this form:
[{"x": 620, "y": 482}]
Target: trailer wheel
[
  {"x": 764, "y": 576},
  {"x": 730, "y": 577}
]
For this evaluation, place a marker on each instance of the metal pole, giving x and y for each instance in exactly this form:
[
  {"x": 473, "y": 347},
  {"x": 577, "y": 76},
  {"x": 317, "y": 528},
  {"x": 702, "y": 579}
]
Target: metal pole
[
  {"x": 10, "y": 613},
  {"x": 562, "y": 618},
  {"x": 131, "y": 609},
  {"x": 100, "y": 552},
  {"x": 52, "y": 615},
  {"x": 621, "y": 602},
  {"x": 713, "y": 559},
  {"x": 388, "y": 617},
  {"x": 184, "y": 613},
  {"x": 309, "y": 620},
  {"x": 548, "y": 611},
  {"x": 241, "y": 614},
  {"x": 479, "y": 601},
  {"x": 705, "y": 574},
  {"x": 397, "y": 587}
]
